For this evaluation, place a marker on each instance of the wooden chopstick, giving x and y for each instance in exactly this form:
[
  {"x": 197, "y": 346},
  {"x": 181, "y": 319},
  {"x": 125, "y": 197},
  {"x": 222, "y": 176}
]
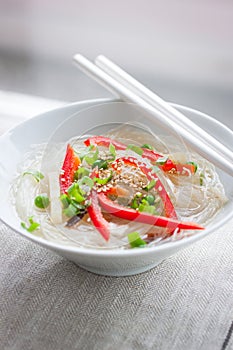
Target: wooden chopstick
[{"x": 120, "y": 83}]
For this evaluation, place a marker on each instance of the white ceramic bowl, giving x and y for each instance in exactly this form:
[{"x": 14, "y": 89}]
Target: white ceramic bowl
[{"x": 39, "y": 129}]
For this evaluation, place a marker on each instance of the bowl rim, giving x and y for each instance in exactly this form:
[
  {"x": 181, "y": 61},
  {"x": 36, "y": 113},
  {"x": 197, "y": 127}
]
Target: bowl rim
[{"x": 115, "y": 252}]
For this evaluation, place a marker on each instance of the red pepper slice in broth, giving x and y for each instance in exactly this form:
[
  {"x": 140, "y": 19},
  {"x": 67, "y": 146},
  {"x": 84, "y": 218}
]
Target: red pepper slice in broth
[
  {"x": 169, "y": 165},
  {"x": 134, "y": 215},
  {"x": 70, "y": 165},
  {"x": 104, "y": 141},
  {"x": 96, "y": 216}
]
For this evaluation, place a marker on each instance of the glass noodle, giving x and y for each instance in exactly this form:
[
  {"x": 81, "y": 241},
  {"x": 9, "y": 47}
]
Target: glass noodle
[{"x": 196, "y": 198}]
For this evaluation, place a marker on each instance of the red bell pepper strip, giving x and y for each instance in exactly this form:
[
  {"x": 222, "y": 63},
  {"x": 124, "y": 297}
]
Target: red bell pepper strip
[
  {"x": 134, "y": 215},
  {"x": 182, "y": 169},
  {"x": 168, "y": 206},
  {"x": 70, "y": 165},
  {"x": 104, "y": 141},
  {"x": 96, "y": 216}
]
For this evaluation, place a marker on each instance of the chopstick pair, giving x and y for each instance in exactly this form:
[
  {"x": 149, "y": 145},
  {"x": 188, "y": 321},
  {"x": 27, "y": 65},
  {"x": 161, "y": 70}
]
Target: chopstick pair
[{"x": 129, "y": 89}]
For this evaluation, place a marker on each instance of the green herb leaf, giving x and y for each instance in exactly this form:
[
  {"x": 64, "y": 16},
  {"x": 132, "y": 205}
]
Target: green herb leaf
[
  {"x": 135, "y": 149},
  {"x": 91, "y": 157},
  {"x": 83, "y": 152},
  {"x": 161, "y": 160},
  {"x": 112, "y": 150},
  {"x": 35, "y": 173},
  {"x": 100, "y": 164},
  {"x": 81, "y": 172},
  {"x": 33, "y": 225},
  {"x": 150, "y": 185},
  {"x": 42, "y": 201},
  {"x": 146, "y": 145},
  {"x": 135, "y": 240}
]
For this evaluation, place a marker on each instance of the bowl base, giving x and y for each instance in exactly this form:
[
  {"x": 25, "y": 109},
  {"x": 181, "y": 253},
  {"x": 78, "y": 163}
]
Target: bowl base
[{"x": 117, "y": 273}]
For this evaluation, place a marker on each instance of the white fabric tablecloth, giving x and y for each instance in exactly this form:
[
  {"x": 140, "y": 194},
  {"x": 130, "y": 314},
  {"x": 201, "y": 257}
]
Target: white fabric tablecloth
[{"x": 48, "y": 303}]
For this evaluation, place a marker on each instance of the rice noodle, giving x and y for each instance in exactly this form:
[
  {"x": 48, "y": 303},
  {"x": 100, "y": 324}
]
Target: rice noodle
[{"x": 193, "y": 202}]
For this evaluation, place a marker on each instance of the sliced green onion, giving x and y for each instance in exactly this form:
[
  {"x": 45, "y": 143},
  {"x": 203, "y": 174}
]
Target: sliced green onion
[
  {"x": 33, "y": 225},
  {"x": 42, "y": 201},
  {"x": 146, "y": 208},
  {"x": 150, "y": 185},
  {"x": 135, "y": 240},
  {"x": 136, "y": 200},
  {"x": 35, "y": 173},
  {"x": 79, "y": 206},
  {"x": 70, "y": 211},
  {"x": 146, "y": 145},
  {"x": 100, "y": 164},
  {"x": 161, "y": 160},
  {"x": 195, "y": 166},
  {"x": 112, "y": 150},
  {"x": 103, "y": 181},
  {"x": 85, "y": 180},
  {"x": 65, "y": 200},
  {"x": 135, "y": 149},
  {"x": 74, "y": 193},
  {"x": 91, "y": 157},
  {"x": 84, "y": 152},
  {"x": 81, "y": 172}
]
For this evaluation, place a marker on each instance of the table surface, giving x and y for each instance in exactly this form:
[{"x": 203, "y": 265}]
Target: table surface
[{"x": 47, "y": 302}]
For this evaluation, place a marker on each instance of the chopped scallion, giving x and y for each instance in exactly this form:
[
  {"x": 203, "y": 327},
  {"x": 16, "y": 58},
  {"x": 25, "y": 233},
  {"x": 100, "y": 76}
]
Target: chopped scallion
[
  {"x": 85, "y": 180},
  {"x": 146, "y": 208},
  {"x": 91, "y": 157},
  {"x": 84, "y": 152},
  {"x": 150, "y": 185},
  {"x": 135, "y": 149},
  {"x": 35, "y": 173},
  {"x": 112, "y": 150},
  {"x": 65, "y": 200},
  {"x": 135, "y": 240},
  {"x": 33, "y": 225},
  {"x": 75, "y": 193},
  {"x": 100, "y": 164},
  {"x": 81, "y": 172},
  {"x": 146, "y": 145},
  {"x": 70, "y": 211},
  {"x": 136, "y": 200},
  {"x": 103, "y": 181}
]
